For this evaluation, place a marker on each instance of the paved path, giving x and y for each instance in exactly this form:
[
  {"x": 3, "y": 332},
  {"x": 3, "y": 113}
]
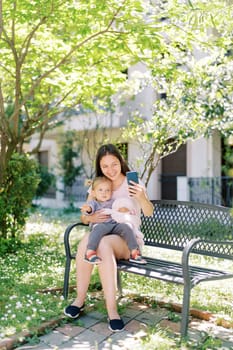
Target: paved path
[{"x": 90, "y": 332}]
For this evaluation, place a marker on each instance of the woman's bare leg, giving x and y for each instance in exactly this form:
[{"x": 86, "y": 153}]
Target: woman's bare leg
[
  {"x": 83, "y": 273},
  {"x": 110, "y": 248}
]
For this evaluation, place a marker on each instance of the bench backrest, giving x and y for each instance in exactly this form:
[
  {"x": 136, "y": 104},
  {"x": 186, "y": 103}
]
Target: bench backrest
[{"x": 174, "y": 223}]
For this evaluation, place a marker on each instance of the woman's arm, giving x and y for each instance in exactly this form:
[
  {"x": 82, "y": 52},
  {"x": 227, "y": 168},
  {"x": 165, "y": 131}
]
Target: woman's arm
[
  {"x": 147, "y": 206},
  {"x": 138, "y": 191}
]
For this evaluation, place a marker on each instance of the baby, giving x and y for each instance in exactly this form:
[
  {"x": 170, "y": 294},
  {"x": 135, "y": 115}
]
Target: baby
[{"x": 123, "y": 221}]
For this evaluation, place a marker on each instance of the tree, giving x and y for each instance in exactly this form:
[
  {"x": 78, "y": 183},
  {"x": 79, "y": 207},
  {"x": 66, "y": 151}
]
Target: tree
[
  {"x": 58, "y": 55},
  {"x": 194, "y": 92}
]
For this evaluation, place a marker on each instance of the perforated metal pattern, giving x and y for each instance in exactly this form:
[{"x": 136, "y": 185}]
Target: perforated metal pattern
[{"x": 174, "y": 223}]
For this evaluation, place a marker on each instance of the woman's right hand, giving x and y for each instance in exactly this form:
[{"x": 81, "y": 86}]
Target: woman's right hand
[{"x": 96, "y": 218}]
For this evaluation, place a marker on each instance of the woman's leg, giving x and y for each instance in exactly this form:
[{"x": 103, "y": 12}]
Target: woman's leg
[
  {"x": 83, "y": 273},
  {"x": 111, "y": 247}
]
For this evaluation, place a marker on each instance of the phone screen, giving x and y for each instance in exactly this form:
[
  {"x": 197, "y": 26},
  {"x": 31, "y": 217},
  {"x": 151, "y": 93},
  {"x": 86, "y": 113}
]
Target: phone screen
[{"x": 132, "y": 175}]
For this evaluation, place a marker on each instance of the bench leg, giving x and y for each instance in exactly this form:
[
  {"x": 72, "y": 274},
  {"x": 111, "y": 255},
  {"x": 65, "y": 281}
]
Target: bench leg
[
  {"x": 66, "y": 278},
  {"x": 119, "y": 285},
  {"x": 185, "y": 311}
]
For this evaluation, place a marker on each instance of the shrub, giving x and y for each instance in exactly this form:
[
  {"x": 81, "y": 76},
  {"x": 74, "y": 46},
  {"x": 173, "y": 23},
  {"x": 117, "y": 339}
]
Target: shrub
[
  {"x": 17, "y": 193},
  {"x": 47, "y": 180}
]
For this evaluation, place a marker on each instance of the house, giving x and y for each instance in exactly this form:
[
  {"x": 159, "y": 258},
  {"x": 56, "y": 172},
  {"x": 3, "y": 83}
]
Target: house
[{"x": 201, "y": 158}]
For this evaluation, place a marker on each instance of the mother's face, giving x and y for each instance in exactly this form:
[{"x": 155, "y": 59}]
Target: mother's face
[{"x": 110, "y": 166}]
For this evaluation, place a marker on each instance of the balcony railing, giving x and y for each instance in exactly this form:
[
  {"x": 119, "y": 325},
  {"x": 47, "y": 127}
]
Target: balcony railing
[
  {"x": 212, "y": 190},
  {"x": 78, "y": 192}
]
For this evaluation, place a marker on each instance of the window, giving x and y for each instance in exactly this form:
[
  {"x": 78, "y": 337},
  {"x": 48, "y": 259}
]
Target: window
[{"x": 47, "y": 177}]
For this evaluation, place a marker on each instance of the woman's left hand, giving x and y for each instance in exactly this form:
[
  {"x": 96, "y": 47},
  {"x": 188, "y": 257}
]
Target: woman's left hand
[{"x": 138, "y": 191}]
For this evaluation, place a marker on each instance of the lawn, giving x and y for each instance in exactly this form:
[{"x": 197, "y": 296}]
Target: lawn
[{"x": 38, "y": 264}]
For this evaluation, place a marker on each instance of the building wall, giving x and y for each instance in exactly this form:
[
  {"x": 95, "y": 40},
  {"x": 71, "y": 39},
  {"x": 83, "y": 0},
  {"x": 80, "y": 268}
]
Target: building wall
[
  {"x": 203, "y": 161},
  {"x": 204, "y": 157}
]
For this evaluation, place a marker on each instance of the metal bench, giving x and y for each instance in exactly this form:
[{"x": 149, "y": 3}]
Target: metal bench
[{"x": 187, "y": 227}]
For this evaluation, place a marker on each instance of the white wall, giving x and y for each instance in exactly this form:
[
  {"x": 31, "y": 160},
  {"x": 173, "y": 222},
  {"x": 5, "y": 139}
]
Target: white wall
[{"x": 204, "y": 157}]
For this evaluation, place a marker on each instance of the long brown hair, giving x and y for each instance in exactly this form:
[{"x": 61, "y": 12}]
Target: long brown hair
[{"x": 112, "y": 150}]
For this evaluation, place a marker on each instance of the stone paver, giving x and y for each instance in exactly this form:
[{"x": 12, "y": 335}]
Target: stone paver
[
  {"x": 90, "y": 331},
  {"x": 54, "y": 338},
  {"x": 135, "y": 326},
  {"x": 89, "y": 337},
  {"x": 102, "y": 328},
  {"x": 70, "y": 330},
  {"x": 152, "y": 317},
  {"x": 131, "y": 313},
  {"x": 86, "y": 321},
  {"x": 172, "y": 326}
]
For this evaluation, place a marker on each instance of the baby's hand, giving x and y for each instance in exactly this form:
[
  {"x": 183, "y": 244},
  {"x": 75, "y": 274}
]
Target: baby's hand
[
  {"x": 86, "y": 209},
  {"x": 123, "y": 210}
]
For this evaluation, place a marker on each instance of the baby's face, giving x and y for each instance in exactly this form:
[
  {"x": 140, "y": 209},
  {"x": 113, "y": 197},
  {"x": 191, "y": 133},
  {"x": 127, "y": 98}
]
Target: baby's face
[{"x": 103, "y": 191}]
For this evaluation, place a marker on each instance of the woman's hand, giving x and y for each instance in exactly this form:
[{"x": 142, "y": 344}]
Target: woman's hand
[
  {"x": 138, "y": 192},
  {"x": 95, "y": 218}
]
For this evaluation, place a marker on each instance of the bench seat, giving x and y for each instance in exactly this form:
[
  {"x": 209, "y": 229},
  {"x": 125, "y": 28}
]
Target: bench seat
[{"x": 171, "y": 272}]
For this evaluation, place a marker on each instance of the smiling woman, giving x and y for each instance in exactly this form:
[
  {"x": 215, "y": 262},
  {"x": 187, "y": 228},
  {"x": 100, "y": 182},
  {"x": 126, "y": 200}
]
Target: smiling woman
[{"x": 109, "y": 163}]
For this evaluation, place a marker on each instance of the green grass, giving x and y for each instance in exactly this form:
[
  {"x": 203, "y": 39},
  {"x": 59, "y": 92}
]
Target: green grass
[{"x": 39, "y": 264}]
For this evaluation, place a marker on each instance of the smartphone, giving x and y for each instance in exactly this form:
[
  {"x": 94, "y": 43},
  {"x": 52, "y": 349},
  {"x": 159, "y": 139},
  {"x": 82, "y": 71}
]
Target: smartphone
[{"x": 132, "y": 175}]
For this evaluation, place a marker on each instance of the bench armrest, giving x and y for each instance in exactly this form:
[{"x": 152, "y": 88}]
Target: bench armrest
[
  {"x": 67, "y": 237},
  {"x": 188, "y": 250}
]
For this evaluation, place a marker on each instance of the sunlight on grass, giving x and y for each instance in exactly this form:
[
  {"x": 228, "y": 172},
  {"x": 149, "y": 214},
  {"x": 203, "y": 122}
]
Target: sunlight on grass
[
  {"x": 39, "y": 264},
  {"x": 159, "y": 340},
  {"x": 22, "y": 312}
]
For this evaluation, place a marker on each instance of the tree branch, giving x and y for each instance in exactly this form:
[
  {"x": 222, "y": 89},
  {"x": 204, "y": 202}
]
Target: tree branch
[
  {"x": 27, "y": 41},
  {"x": 1, "y": 20}
]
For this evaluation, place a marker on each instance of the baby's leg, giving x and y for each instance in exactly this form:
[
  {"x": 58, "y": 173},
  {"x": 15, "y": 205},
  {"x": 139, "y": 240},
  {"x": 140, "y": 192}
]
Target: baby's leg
[
  {"x": 97, "y": 233},
  {"x": 126, "y": 232}
]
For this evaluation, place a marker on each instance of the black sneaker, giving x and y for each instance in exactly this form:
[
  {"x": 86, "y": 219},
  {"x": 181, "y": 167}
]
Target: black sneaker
[
  {"x": 116, "y": 325},
  {"x": 73, "y": 311}
]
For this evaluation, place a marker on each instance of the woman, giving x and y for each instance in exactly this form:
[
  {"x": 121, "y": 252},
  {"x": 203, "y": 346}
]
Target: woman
[{"x": 111, "y": 164}]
